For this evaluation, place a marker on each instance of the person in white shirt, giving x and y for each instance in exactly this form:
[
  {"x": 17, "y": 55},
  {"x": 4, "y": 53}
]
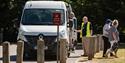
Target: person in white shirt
[
  {"x": 113, "y": 39},
  {"x": 105, "y": 36}
]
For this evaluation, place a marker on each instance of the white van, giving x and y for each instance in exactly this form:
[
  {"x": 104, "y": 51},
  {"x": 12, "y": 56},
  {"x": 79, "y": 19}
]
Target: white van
[{"x": 38, "y": 19}]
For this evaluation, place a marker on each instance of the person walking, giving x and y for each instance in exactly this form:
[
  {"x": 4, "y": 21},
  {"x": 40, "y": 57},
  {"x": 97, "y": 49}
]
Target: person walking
[
  {"x": 106, "y": 28},
  {"x": 113, "y": 39},
  {"x": 71, "y": 25},
  {"x": 86, "y": 31}
]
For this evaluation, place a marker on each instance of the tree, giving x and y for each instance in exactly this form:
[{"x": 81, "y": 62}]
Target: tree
[{"x": 99, "y": 10}]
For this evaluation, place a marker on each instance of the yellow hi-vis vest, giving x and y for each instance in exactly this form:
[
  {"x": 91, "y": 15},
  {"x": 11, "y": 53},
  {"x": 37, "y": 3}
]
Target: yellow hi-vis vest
[{"x": 88, "y": 32}]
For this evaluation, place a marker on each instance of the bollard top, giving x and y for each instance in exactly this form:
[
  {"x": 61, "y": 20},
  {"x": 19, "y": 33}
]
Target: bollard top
[
  {"x": 6, "y": 42},
  {"x": 94, "y": 36},
  {"x": 40, "y": 39},
  {"x": 63, "y": 39},
  {"x": 20, "y": 41}
]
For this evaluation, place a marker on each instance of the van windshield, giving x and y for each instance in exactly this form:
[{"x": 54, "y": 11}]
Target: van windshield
[{"x": 41, "y": 16}]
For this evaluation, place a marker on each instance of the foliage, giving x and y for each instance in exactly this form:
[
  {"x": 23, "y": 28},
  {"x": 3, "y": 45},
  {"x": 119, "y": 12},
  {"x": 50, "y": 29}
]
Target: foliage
[{"x": 97, "y": 11}]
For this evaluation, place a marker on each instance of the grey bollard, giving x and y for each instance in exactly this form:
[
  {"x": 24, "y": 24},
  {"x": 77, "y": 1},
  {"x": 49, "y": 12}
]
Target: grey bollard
[
  {"x": 62, "y": 50},
  {"x": 91, "y": 47},
  {"x": 101, "y": 41},
  {"x": 20, "y": 50},
  {"x": 98, "y": 44},
  {"x": 40, "y": 51},
  {"x": 95, "y": 42},
  {"x": 6, "y": 57}
]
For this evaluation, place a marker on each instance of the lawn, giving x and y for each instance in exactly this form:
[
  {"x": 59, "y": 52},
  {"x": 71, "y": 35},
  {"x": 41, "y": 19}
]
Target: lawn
[{"x": 99, "y": 59}]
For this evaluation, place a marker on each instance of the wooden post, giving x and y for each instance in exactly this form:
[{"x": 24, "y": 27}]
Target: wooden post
[
  {"x": 91, "y": 48},
  {"x": 6, "y": 57},
  {"x": 101, "y": 41},
  {"x": 63, "y": 51},
  {"x": 94, "y": 46},
  {"x": 20, "y": 49},
  {"x": 97, "y": 43},
  {"x": 40, "y": 51}
]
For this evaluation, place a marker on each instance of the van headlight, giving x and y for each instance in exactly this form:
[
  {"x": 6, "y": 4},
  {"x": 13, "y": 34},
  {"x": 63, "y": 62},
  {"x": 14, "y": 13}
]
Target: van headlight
[
  {"x": 62, "y": 34},
  {"x": 21, "y": 36}
]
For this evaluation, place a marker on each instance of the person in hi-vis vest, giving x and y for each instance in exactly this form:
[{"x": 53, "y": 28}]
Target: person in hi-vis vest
[{"x": 86, "y": 31}]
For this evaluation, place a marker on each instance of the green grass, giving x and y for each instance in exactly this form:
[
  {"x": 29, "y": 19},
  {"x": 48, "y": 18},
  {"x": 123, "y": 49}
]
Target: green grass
[
  {"x": 121, "y": 56},
  {"x": 99, "y": 59}
]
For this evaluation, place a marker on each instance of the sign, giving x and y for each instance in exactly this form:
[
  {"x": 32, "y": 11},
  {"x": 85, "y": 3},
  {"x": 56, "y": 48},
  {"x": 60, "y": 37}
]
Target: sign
[
  {"x": 56, "y": 18},
  {"x": 57, "y": 21}
]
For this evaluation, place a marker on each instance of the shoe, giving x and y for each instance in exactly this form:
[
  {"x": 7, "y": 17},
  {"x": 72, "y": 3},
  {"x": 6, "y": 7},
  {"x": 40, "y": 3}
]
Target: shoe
[
  {"x": 103, "y": 56},
  {"x": 115, "y": 56},
  {"x": 84, "y": 55},
  {"x": 111, "y": 54},
  {"x": 106, "y": 56},
  {"x": 72, "y": 51}
]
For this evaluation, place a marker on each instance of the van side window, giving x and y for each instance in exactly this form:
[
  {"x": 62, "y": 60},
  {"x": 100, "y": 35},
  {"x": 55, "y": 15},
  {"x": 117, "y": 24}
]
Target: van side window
[{"x": 67, "y": 17}]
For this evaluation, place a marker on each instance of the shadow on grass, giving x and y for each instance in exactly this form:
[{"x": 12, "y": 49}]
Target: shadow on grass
[
  {"x": 104, "y": 58},
  {"x": 122, "y": 46},
  {"x": 82, "y": 60}
]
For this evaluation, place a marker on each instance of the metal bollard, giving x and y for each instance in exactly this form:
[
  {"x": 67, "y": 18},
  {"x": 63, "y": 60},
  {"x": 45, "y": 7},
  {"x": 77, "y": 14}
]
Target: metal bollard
[
  {"x": 62, "y": 50},
  {"x": 20, "y": 49},
  {"x": 6, "y": 57},
  {"x": 40, "y": 51}
]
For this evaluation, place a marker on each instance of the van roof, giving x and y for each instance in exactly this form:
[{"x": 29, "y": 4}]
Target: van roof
[{"x": 45, "y": 4}]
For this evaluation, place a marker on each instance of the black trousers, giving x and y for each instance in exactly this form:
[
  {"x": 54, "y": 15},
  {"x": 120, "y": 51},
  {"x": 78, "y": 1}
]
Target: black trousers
[{"x": 106, "y": 45}]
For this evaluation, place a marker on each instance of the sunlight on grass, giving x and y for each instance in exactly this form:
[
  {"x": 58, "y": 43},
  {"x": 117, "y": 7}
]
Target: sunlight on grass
[
  {"x": 121, "y": 57},
  {"x": 99, "y": 59}
]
